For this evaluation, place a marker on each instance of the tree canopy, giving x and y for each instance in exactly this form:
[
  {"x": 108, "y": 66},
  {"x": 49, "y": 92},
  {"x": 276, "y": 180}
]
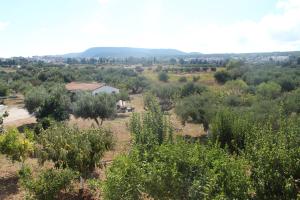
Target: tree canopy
[{"x": 90, "y": 106}]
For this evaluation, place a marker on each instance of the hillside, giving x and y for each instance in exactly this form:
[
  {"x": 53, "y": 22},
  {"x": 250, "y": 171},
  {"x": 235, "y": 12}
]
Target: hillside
[{"x": 125, "y": 52}]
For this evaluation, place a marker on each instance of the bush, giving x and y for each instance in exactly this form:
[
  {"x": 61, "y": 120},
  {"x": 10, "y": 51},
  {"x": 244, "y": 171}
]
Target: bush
[
  {"x": 274, "y": 154},
  {"x": 80, "y": 150},
  {"x": 163, "y": 76},
  {"x": 16, "y": 146},
  {"x": 232, "y": 64},
  {"x": 191, "y": 88},
  {"x": 287, "y": 85},
  {"x": 35, "y": 98},
  {"x": 48, "y": 184},
  {"x": 182, "y": 79},
  {"x": 3, "y": 90},
  {"x": 196, "y": 78},
  {"x": 291, "y": 102},
  {"x": 150, "y": 128},
  {"x": 233, "y": 101},
  {"x": 124, "y": 180},
  {"x": 178, "y": 171},
  {"x": 222, "y": 76},
  {"x": 2, "y": 116},
  {"x": 268, "y": 90},
  {"x": 236, "y": 87},
  {"x": 230, "y": 130},
  {"x": 123, "y": 95}
]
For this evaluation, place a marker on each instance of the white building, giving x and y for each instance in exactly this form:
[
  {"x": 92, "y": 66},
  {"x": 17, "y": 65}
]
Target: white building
[{"x": 94, "y": 88}]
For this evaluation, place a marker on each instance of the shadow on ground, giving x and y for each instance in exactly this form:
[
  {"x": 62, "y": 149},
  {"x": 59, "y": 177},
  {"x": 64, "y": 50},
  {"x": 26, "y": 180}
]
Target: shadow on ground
[
  {"x": 8, "y": 186},
  {"x": 30, "y": 126}
]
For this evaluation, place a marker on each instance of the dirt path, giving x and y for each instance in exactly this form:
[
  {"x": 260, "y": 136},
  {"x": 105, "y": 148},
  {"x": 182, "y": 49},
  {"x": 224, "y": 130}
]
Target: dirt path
[{"x": 17, "y": 117}]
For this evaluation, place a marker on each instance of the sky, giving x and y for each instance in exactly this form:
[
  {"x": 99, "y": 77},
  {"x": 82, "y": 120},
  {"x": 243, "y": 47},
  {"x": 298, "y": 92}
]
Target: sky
[{"x": 51, "y": 27}]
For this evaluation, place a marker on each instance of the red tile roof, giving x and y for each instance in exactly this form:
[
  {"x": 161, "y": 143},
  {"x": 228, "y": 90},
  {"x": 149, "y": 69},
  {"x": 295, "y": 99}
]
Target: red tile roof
[{"x": 73, "y": 86}]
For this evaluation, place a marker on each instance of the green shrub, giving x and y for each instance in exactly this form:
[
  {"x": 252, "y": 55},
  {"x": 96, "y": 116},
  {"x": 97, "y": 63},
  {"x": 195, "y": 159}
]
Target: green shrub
[
  {"x": 269, "y": 90},
  {"x": 124, "y": 180},
  {"x": 197, "y": 108},
  {"x": 80, "y": 150},
  {"x": 48, "y": 183},
  {"x": 274, "y": 154},
  {"x": 222, "y": 76},
  {"x": 182, "y": 79},
  {"x": 178, "y": 171},
  {"x": 230, "y": 130},
  {"x": 150, "y": 128},
  {"x": 15, "y": 145},
  {"x": 196, "y": 78},
  {"x": 54, "y": 103},
  {"x": 191, "y": 88},
  {"x": 3, "y": 90},
  {"x": 163, "y": 76}
]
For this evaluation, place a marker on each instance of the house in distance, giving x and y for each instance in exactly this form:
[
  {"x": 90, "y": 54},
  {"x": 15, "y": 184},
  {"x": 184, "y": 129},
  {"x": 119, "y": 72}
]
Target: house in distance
[{"x": 94, "y": 88}]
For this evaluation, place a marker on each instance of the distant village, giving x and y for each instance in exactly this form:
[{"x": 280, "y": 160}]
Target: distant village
[{"x": 209, "y": 60}]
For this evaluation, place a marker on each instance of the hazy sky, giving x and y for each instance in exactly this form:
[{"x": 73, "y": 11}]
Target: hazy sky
[{"x": 39, "y": 27}]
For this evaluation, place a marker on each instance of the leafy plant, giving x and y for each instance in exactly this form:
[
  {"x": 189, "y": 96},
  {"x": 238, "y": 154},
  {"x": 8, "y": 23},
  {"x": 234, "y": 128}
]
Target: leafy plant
[
  {"x": 1, "y": 120},
  {"x": 80, "y": 150},
  {"x": 16, "y": 146},
  {"x": 54, "y": 103},
  {"x": 163, "y": 76},
  {"x": 182, "y": 79},
  {"x": 178, "y": 171},
  {"x": 151, "y": 128},
  {"x": 48, "y": 184},
  {"x": 95, "y": 106}
]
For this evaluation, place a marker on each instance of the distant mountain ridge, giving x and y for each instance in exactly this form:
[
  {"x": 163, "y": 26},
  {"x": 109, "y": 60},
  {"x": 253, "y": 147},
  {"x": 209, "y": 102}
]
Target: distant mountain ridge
[{"x": 120, "y": 52}]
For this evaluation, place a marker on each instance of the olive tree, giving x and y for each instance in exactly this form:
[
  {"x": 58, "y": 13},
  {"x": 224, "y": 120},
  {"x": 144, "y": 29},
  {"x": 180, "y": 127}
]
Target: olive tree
[
  {"x": 35, "y": 98},
  {"x": 54, "y": 103},
  {"x": 136, "y": 84},
  {"x": 196, "y": 108},
  {"x": 90, "y": 106},
  {"x": 167, "y": 95}
]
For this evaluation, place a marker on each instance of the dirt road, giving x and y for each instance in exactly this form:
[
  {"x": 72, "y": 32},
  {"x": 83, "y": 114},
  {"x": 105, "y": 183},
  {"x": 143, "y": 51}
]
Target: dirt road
[{"x": 17, "y": 116}]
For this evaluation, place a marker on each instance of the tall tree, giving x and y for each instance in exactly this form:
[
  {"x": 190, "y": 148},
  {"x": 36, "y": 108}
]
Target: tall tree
[
  {"x": 54, "y": 102},
  {"x": 90, "y": 106}
]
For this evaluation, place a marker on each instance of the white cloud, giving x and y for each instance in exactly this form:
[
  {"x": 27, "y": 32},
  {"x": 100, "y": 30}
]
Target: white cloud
[
  {"x": 278, "y": 31},
  {"x": 152, "y": 24},
  {"x": 288, "y": 4},
  {"x": 274, "y": 32},
  {"x": 3, "y": 25},
  {"x": 103, "y": 2}
]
